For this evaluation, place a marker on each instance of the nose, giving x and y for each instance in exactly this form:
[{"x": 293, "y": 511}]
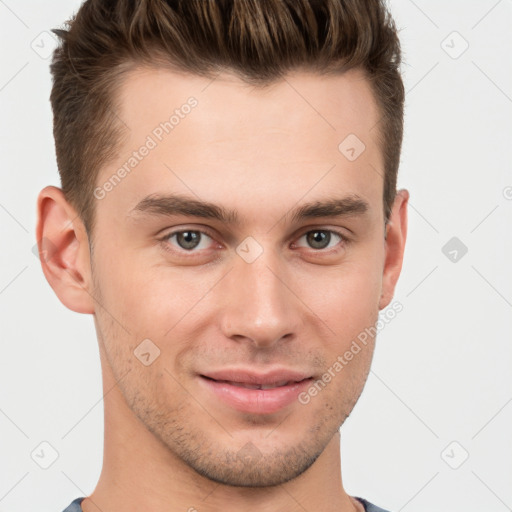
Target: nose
[{"x": 259, "y": 304}]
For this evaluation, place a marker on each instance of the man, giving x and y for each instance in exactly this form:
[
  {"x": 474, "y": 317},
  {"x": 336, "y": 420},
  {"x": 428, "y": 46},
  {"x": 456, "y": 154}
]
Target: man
[{"x": 229, "y": 215}]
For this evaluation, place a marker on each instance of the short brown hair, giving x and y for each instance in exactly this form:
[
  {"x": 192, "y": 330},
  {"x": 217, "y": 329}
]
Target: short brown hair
[{"x": 260, "y": 40}]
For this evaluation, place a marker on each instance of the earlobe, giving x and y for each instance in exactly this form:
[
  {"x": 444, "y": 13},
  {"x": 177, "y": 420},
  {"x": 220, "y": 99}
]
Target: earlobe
[
  {"x": 396, "y": 235},
  {"x": 64, "y": 250}
]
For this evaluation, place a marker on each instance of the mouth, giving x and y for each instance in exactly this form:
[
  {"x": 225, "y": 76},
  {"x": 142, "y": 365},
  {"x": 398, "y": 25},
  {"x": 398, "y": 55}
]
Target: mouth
[
  {"x": 255, "y": 393},
  {"x": 248, "y": 385}
]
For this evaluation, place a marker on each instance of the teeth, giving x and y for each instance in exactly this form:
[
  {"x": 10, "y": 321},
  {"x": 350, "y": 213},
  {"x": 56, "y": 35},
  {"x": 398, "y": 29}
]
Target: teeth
[
  {"x": 259, "y": 386},
  {"x": 244, "y": 385},
  {"x": 276, "y": 385}
]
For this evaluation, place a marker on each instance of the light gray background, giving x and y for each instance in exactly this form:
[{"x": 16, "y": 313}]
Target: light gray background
[{"x": 441, "y": 371}]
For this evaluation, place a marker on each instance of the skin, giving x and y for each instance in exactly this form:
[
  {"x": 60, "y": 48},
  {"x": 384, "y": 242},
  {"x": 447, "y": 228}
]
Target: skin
[{"x": 170, "y": 444}]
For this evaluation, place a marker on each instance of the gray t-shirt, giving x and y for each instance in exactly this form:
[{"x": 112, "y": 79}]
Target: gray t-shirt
[{"x": 369, "y": 507}]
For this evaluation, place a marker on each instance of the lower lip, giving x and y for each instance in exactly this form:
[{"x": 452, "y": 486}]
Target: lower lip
[{"x": 258, "y": 401}]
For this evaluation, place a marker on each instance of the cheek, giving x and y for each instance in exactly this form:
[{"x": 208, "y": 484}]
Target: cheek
[
  {"x": 350, "y": 309},
  {"x": 346, "y": 297},
  {"x": 146, "y": 298}
]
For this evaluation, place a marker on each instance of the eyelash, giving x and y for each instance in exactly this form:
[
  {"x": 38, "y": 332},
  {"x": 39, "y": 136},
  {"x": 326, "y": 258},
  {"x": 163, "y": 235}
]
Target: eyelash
[{"x": 344, "y": 240}]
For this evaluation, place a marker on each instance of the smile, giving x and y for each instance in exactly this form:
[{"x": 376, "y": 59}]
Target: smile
[{"x": 254, "y": 393}]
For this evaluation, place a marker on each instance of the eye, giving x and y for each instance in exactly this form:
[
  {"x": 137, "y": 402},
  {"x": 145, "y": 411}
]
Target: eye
[
  {"x": 321, "y": 239},
  {"x": 195, "y": 241},
  {"x": 188, "y": 239}
]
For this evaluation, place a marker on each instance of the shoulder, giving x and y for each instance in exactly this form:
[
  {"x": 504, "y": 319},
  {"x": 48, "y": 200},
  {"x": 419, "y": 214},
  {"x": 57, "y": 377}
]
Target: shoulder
[
  {"x": 370, "y": 507},
  {"x": 74, "y": 506}
]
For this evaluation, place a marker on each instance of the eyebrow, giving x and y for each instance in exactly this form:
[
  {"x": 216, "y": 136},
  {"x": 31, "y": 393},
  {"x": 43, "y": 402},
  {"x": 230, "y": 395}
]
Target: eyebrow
[{"x": 176, "y": 204}]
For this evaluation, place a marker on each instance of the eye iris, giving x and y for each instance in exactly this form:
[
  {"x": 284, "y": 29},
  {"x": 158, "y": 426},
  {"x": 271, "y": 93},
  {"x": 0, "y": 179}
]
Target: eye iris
[
  {"x": 188, "y": 239},
  {"x": 319, "y": 237}
]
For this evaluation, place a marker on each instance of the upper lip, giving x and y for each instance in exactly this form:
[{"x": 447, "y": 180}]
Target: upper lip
[{"x": 257, "y": 378}]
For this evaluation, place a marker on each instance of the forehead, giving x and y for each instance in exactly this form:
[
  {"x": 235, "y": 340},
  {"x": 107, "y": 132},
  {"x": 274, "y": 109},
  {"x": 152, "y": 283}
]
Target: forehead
[
  {"x": 320, "y": 103},
  {"x": 306, "y": 134}
]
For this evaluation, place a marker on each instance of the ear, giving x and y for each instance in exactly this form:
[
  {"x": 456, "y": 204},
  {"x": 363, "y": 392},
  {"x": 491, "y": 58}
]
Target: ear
[
  {"x": 396, "y": 234},
  {"x": 64, "y": 250}
]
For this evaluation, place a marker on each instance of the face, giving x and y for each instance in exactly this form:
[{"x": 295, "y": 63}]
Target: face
[{"x": 265, "y": 286}]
